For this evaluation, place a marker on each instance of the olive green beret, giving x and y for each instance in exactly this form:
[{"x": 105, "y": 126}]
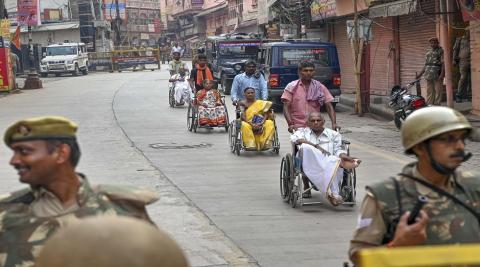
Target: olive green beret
[{"x": 40, "y": 128}]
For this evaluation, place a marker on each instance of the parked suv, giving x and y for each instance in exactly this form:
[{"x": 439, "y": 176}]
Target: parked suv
[
  {"x": 279, "y": 62},
  {"x": 64, "y": 58},
  {"x": 228, "y": 54}
]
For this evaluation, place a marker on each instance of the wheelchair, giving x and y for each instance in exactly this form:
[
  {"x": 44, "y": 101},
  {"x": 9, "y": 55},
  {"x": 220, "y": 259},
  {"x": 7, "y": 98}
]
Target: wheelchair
[
  {"x": 193, "y": 120},
  {"x": 291, "y": 181},
  {"x": 235, "y": 135},
  {"x": 171, "y": 94}
]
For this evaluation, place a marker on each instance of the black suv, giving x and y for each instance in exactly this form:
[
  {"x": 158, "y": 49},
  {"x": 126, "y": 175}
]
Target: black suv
[{"x": 228, "y": 54}]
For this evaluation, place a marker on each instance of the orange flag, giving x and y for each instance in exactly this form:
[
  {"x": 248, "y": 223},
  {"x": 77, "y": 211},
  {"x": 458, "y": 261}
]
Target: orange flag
[{"x": 16, "y": 38}]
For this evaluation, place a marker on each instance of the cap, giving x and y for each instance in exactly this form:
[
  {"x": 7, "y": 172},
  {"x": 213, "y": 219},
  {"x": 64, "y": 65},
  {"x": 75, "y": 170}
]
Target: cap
[{"x": 41, "y": 128}]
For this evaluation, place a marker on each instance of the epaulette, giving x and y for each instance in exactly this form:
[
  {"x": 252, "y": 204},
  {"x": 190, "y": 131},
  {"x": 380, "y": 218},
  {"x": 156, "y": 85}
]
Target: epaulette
[
  {"x": 139, "y": 195},
  {"x": 24, "y": 196}
]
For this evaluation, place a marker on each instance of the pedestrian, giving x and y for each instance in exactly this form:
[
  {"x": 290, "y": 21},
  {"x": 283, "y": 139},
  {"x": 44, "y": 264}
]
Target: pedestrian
[
  {"x": 251, "y": 78},
  {"x": 45, "y": 155},
  {"x": 461, "y": 57},
  {"x": 201, "y": 72},
  {"x": 304, "y": 96},
  {"x": 433, "y": 72},
  {"x": 176, "y": 48},
  {"x": 111, "y": 242},
  {"x": 15, "y": 65},
  {"x": 436, "y": 136}
]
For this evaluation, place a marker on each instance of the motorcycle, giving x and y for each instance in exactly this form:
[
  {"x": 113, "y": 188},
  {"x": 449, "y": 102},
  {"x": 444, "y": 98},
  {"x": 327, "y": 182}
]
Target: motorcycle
[{"x": 403, "y": 103}]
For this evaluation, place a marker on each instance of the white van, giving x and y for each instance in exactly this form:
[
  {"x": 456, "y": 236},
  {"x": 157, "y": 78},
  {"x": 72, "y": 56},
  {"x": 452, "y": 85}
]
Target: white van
[{"x": 65, "y": 58}]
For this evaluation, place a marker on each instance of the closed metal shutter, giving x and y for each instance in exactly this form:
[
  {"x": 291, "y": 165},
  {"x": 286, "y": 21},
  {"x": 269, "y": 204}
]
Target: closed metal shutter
[
  {"x": 414, "y": 32},
  {"x": 344, "y": 55},
  {"x": 381, "y": 66}
]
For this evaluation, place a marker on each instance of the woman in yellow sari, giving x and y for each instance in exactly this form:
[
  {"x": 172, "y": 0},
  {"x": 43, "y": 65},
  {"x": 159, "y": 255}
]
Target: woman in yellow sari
[{"x": 258, "y": 128}]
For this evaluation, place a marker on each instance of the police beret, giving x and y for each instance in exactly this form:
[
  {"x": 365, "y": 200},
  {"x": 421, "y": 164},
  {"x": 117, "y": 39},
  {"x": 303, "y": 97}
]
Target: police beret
[{"x": 41, "y": 128}]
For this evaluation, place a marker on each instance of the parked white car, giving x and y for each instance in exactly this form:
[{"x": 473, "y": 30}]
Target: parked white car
[{"x": 65, "y": 58}]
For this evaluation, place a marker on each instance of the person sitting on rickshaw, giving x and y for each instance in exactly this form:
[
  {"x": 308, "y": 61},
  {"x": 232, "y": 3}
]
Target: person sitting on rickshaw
[
  {"x": 183, "y": 92},
  {"x": 257, "y": 128},
  {"x": 323, "y": 158},
  {"x": 211, "y": 111},
  {"x": 176, "y": 64}
]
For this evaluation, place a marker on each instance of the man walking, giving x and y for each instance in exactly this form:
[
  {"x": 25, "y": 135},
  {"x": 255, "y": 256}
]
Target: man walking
[
  {"x": 461, "y": 57},
  {"x": 45, "y": 154},
  {"x": 434, "y": 72},
  {"x": 304, "y": 96},
  {"x": 249, "y": 79},
  {"x": 200, "y": 73}
]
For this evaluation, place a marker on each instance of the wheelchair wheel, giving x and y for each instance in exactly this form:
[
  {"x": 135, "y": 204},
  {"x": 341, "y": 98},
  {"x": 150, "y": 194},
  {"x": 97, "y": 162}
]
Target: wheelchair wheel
[
  {"x": 286, "y": 174},
  {"x": 195, "y": 119},
  {"x": 190, "y": 117},
  {"x": 232, "y": 136},
  {"x": 276, "y": 143},
  {"x": 171, "y": 98},
  {"x": 227, "y": 125}
]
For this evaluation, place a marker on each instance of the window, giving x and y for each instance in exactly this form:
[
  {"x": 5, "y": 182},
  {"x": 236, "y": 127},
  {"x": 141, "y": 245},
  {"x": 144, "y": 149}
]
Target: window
[{"x": 293, "y": 56}]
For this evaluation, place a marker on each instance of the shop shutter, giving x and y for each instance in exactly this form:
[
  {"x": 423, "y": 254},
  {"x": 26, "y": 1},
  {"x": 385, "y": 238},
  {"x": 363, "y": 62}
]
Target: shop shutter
[
  {"x": 344, "y": 55},
  {"x": 414, "y": 32},
  {"x": 381, "y": 66}
]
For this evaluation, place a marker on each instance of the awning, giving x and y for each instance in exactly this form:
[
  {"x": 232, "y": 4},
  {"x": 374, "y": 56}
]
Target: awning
[
  {"x": 211, "y": 10},
  {"x": 392, "y": 9},
  {"x": 49, "y": 27}
]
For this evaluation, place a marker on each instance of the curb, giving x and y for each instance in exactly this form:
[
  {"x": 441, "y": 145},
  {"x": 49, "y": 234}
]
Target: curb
[{"x": 377, "y": 109}]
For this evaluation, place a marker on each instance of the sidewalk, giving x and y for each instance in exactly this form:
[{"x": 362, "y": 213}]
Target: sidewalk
[{"x": 379, "y": 106}]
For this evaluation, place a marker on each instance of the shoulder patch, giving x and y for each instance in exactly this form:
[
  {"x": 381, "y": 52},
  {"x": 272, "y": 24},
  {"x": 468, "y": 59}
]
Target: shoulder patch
[{"x": 139, "y": 195}]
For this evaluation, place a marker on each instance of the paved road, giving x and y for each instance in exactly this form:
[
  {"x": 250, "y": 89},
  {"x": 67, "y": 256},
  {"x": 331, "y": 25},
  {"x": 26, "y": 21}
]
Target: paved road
[{"x": 224, "y": 210}]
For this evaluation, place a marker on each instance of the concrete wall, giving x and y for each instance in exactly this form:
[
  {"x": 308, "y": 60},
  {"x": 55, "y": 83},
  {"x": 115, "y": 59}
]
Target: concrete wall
[{"x": 475, "y": 67}]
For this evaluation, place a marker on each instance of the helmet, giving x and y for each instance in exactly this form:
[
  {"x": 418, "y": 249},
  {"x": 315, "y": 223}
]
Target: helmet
[
  {"x": 429, "y": 122},
  {"x": 111, "y": 241}
]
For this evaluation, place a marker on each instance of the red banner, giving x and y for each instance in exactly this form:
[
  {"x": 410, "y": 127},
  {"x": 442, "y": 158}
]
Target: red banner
[
  {"x": 28, "y": 12},
  {"x": 5, "y": 68}
]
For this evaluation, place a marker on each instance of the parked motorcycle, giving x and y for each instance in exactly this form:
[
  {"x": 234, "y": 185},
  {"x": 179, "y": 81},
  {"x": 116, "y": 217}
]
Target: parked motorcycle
[{"x": 403, "y": 103}]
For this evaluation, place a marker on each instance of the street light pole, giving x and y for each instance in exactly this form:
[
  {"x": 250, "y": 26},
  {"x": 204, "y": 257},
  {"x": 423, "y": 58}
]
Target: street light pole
[{"x": 32, "y": 81}]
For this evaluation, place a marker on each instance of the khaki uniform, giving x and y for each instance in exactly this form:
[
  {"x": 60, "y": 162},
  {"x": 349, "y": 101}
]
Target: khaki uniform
[
  {"x": 449, "y": 222},
  {"x": 463, "y": 58},
  {"x": 433, "y": 67},
  {"x": 28, "y": 217}
]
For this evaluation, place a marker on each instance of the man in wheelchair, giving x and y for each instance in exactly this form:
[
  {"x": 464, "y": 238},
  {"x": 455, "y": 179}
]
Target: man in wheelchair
[
  {"x": 211, "y": 109},
  {"x": 258, "y": 128},
  {"x": 182, "y": 89},
  {"x": 323, "y": 158}
]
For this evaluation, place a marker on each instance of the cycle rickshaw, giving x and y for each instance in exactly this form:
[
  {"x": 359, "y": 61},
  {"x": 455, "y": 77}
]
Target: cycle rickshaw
[
  {"x": 235, "y": 135},
  {"x": 291, "y": 180}
]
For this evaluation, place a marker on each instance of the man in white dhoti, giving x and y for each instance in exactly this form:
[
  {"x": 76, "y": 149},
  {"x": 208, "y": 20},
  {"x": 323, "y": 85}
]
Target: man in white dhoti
[
  {"x": 183, "y": 92},
  {"x": 323, "y": 157}
]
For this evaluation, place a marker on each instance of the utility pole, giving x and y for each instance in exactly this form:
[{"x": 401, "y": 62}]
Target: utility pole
[
  {"x": 445, "y": 41},
  {"x": 102, "y": 19},
  {"x": 2, "y": 9},
  {"x": 118, "y": 22},
  {"x": 357, "y": 47}
]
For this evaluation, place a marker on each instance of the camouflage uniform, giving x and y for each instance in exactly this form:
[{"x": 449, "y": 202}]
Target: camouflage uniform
[
  {"x": 433, "y": 67},
  {"x": 23, "y": 232},
  {"x": 449, "y": 222}
]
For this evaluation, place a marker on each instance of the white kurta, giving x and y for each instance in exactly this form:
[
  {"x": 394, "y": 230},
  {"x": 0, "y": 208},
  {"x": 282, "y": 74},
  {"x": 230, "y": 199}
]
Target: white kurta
[
  {"x": 322, "y": 170},
  {"x": 183, "y": 92}
]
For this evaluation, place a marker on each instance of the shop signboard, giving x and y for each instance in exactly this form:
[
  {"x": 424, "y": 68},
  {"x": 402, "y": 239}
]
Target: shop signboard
[
  {"x": 110, "y": 11},
  {"x": 323, "y": 9},
  {"x": 28, "y": 12}
]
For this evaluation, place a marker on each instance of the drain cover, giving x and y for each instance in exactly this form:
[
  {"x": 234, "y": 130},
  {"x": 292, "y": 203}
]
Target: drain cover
[{"x": 179, "y": 146}]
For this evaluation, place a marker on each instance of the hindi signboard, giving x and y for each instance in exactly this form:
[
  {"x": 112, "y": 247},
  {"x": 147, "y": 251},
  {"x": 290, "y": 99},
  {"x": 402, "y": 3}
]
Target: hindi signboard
[{"x": 28, "y": 12}]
